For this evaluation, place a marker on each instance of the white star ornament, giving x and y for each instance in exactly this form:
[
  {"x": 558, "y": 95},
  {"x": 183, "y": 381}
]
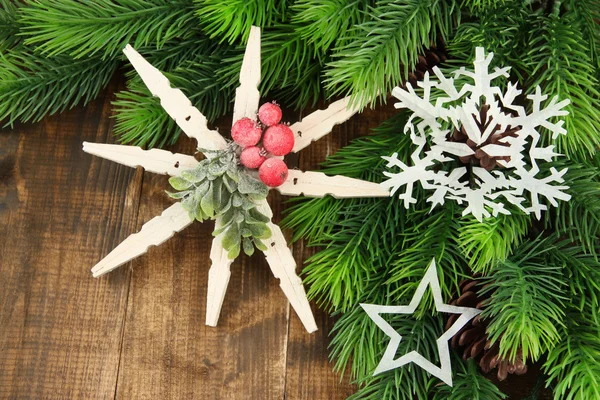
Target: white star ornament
[{"x": 387, "y": 363}]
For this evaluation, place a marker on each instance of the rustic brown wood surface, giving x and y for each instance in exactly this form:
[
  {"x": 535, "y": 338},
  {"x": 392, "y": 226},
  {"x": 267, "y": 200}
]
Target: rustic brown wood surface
[{"x": 139, "y": 333}]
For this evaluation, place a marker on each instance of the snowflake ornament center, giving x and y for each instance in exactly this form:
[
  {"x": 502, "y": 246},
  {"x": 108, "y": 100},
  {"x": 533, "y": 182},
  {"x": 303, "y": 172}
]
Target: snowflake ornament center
[
  {"x": 479, "y": 156},
  {"x": 481, "y": 138}
]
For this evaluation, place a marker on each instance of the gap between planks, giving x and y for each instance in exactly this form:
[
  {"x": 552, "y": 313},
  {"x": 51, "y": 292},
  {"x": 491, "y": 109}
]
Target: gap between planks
[{"x": 139, "y": 171}]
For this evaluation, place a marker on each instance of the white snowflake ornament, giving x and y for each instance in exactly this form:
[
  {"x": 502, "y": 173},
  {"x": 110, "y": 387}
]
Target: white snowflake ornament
[
  {"x": 480, "y": 126},
  {"x": 176, "y": 218}
]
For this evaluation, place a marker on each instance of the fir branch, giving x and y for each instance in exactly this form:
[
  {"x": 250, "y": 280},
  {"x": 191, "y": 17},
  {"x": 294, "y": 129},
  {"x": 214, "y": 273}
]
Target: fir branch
[
  {"x": 579, "y": 218},
  {"x": 197, "y": 78},
  {"x": 482, "y": 5},
  {"x": 310, "y": 219},
  {"x": 378, "y": 54},
  {"x": 178, "y": 51},
  {"x": 104, "y": 27},
  {"x": 582, "y": 272},
  {"x": 587, "y": 12},
  {"x": 32, "y": 86},
  {"x": 426, "y": 235},
  {"x": 9, "y": 26},
  {"x": 491, "y": 241},
  {"x": 561, "y": 64},
  {"x": 467, "y": 384},
  {"x": 363, "y": 157},
  {"x": 232, "y": 19},
  {"x": 303, "y": 92},
  {"x": 501, "y": 29},
  {"x": 572, "y": 365},
  {"x": 323, "y": 22},
  {"x": 356, "y": 250},
  {"x": 526, "y": 306}
]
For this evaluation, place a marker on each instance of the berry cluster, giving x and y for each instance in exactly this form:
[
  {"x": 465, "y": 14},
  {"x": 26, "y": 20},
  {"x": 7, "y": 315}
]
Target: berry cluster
[{"x": 277, "y": 140}]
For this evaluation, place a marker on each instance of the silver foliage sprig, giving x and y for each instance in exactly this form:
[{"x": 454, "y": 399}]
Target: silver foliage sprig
[{"x": 220, "y": 188}]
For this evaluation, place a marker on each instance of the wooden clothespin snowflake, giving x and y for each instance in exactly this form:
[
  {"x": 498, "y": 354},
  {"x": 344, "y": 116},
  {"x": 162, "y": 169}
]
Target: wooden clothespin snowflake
[{"x": 210, "y": 142}]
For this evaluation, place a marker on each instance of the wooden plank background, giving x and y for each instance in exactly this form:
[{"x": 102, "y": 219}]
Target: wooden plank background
[{"x": 139, "y": 333}]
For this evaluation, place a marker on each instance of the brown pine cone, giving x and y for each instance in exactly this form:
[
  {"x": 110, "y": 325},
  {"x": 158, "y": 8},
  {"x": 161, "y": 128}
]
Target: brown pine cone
[
  {"x": 472, "y": 339},
  {"x": 433, "y": 56},
  {"x": 480, "y": 158}
]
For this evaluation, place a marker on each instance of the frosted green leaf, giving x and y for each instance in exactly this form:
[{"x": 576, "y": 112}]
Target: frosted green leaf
[
  {"x": 260, "y": 231},
  {"x": 228, "y": 216},
  {"x": 248, "y": 246},
  {"x": 217, "y": 168},
  {"x": 229, "y": 183},
  {"x": 250, "y": 185},
  {"x": 234, "y": 252},
  {"x": 258, "y": 216},
  {"x": 239, "y": 218},
  {"x": 231, "y": 237},
  {"x": 227, "y": 205},
  {"x": 194, "y": 175},
  {"x": 246, "y": 232},
  {"x": 198, "y": 212},
  {"x": 237, "y": 200},
  {"x": 246, "y": 203},
  {"x": 208, "y": 202},
  {"x": 260, "y": 245},
  {"x": 179, "y": 183},
  {"x": 180, "y": 195},
  {"x": 217, "y": 186},
  {"x": 202, "y": 188}
]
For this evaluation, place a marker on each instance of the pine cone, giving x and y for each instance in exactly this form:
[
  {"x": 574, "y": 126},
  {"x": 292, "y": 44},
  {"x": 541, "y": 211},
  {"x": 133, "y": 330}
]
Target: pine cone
[
  {"x": 480, "y": 158},
  {"x": 472, "y": 339},
  {"x": 432, "y": 57}
]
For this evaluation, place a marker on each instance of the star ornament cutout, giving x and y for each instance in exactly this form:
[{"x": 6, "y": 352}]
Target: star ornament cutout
[
  {"x": 175, "y": 218},
  {"x": 444, "y": 371}
]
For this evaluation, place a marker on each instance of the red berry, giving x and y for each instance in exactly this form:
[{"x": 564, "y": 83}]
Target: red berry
[
  {"x": 279, "y": 140},
  {"x": 251, "y": 157},
  {"x": 273, "y": 172},
  {"x": 246, "y": 132},
  {"x": 269, "y": 114}
]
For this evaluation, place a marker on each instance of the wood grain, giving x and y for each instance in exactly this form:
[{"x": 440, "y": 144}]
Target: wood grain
[
  {"x": 139, "y": 333},
  {"x": 60, "y": 330}
]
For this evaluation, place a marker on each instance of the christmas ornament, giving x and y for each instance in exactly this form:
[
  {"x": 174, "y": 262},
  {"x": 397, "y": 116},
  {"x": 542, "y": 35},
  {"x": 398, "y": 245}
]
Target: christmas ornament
[
  {"x": 278, "y": 140},
  {"x": 252, "y": 157},
  {"x": 269, "y": 114},
  {"x": 246, "y": 132},
  {"x": 388, "y": 361},
  {"x": 273, "y": 172},
  {"x": 245, "y": 194},
  {"x": 479, "y": 121}
]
